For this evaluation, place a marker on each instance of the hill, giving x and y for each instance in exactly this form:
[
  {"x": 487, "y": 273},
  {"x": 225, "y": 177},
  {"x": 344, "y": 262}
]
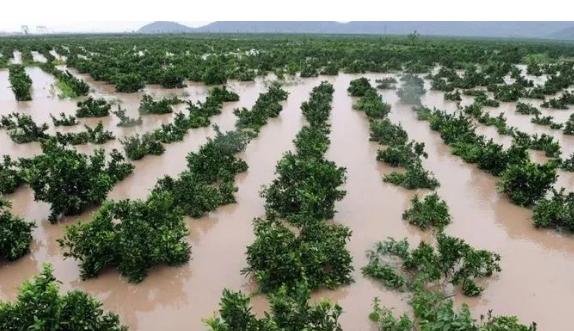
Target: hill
[{"x": 561, "y": 30}]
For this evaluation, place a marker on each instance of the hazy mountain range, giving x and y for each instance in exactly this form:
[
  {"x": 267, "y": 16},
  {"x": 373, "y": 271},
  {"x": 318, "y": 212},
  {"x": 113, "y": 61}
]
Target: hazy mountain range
[{"x": 552, "y": 30}]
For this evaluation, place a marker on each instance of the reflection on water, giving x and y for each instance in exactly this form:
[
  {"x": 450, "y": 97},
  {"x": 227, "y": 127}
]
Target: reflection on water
[{"x": 534, "y": 284}]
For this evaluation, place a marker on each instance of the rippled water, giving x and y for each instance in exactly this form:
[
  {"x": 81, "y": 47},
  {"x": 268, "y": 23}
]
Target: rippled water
[{"x": 535, "y": 282}]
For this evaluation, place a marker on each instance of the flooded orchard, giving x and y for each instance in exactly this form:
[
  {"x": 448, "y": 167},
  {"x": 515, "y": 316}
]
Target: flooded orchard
[{"x": 535, "y": 282}]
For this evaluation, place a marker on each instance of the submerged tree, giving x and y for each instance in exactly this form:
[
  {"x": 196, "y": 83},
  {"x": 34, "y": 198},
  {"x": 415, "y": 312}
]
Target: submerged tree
[
  {"x": 290, "y": 311},
  {"x": 71, "y": 182},
  {"x": 41, "y": 306},
  {"x": 451, "y": 260},
  {"x": 15, "y": 235},
  {"x": 130, "y": 235}
]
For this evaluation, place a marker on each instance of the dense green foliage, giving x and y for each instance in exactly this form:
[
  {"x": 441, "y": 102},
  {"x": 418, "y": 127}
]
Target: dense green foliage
[
  {"x": 64, "y": 120},
  {"x": 136, "y": 147},
  {"x": 11, "y": 176},
  {"x": 40, "y": 306},
  {"x": 527, "y": 182},
  {"x": 129, "y": 82},
  {"x": 303, "y": 194},
  {"x": 556, "y": 211},
  {"x": 267, "y": 106},
  {"x": 435, "y": 311},
  {"x": 451, "y": 260},
  {"x": 163, "y": 106},
  {"x": 20, "y": 83},
  {"x": 316, "y": 254},
  {"x": 15, "y": 235},
  {"x": 359, "y": 87},
  {"x": 290, "y": 311},
  {"x": 70, "y": 86},
  {"x": 429, "y": 212},
  {"x": 93, "y": 108},
  {"x": 307, "y": 185},
  {"x": 208, "y": 181},
  {"x": 22, "y": 128},
  {"x": 97, "y": 135},
  {"x": 71, "y": 182},
  {"x": 130, "y": 235}
]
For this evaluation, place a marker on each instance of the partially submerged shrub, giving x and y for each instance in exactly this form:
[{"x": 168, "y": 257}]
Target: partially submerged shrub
[
  {"x": 20, "y": 82},
  {"x": 525, "y": 183},
  {"x": 414, "y": 177},
  {"x": 22, "y": 128},
  {"x": 435, "y": 311},
  {"x": 11, "y": 176},
  {"x": 15, "y": 235},
  {"x": 150, "y": 106},
  {"x": 130, "y": 235},
  {"x": 402, "y": 155},
  {"x": 208, "y": 181},
  {"x": 71, "y": 182},
  {"x": 556, "y": 211},
  {"x": 316, "y": 254},
  {"x": 93, "y": 108},
  {"x": 290, "y": 311},
  {"x": 429, "y": 212},
  {"x": 64, "y": 120},
  {"x": 267, "y": 106},
  {"x": 359, "y": 87},
  {"x": 136, "y": 147},
  {"x": 125, "y": 120},
  {"x": 527, "y": 109},
  {"x": 41, "y": 306},
  {"x": 451, "y": 260}
]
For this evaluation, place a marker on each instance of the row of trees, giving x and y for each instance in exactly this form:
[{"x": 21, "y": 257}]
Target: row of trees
[
  {"x": 69, "y": 85},
  {"x": 521, "y": 180},
  {"x": 136, "y": 61},
  {"x": 134, "y": 236},
  {"x": 198, "y": 115},
  {"x": 424, "y": 272},
  {"x": 399, "y": 152},
  {"x": 295, "y": 250},
  {"x": 20, "y": 82}
]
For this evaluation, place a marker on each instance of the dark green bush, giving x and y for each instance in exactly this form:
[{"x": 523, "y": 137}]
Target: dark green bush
[
  {"x": 64, "y": 120},
  {"x": 130, "y": 235},
  {"x": 556, "y": 211},
  {"x": 525, "y": 183},
  {"x": 316, "y": 254},
  {"x": 15, "y": 235},
  {"x": 20, "y": 82},
  {"x": 22, "y": 128},
  {"x": 40, "y": 306},
  {"x": 290, "y": 311},
  {"x": 71, "y": 182},
  {"x": 136, "y": 147},
  {"x": 429, "y": 212},
  {"x": 93, "y": 108}
]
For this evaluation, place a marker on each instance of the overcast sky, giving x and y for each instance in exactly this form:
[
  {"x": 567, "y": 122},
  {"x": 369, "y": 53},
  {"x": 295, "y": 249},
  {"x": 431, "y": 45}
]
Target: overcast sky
[
  {"x": 129, "y": 15},
  {"x": 86, "y": 26}
]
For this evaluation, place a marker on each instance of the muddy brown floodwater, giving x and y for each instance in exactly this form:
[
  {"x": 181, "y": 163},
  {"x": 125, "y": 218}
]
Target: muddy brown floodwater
[{"x": 535, "y": 282}]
